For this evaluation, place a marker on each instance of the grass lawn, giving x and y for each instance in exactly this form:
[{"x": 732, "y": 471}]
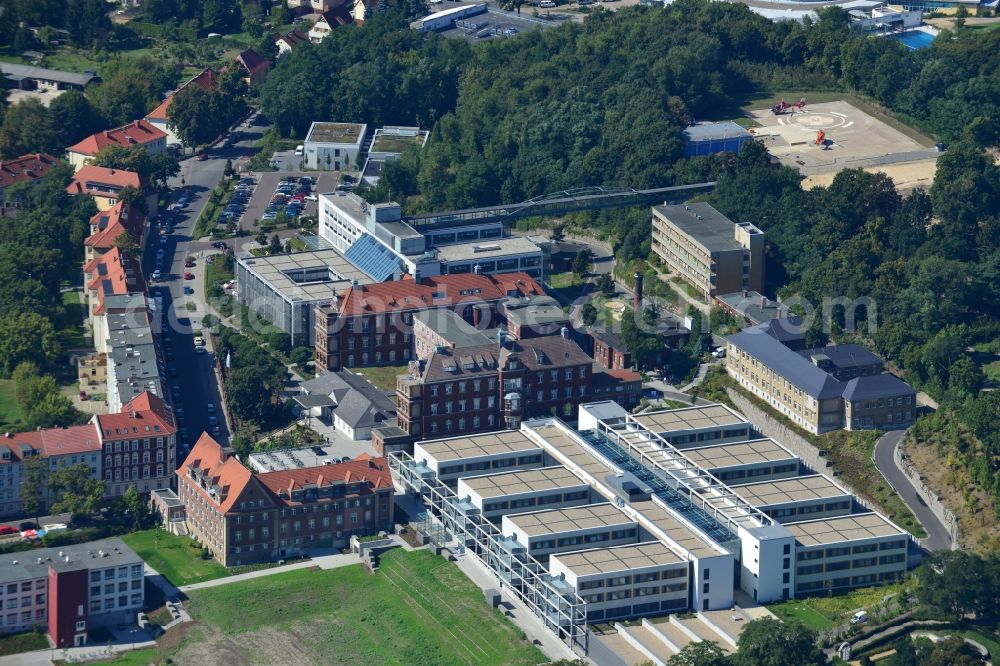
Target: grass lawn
[
  {"x": 70, "y": 324},
  {"x": 175, "y": 557},
  {"x": 9, "y": 411},
  {"x": 71, "y": 60},
  {"x": 990, "y": 642},
  {"x": 133, "y": 658},
  {"x": 25, "y": 642},
  {"x": 569, "y": 284},
  {"x": 822, "y": 612},
  {"x": 383, "y": 377},
  {"x": 992, "y": 371},
  {"x": 416, "y": 609},
  {"x": 801, "y": 611}
]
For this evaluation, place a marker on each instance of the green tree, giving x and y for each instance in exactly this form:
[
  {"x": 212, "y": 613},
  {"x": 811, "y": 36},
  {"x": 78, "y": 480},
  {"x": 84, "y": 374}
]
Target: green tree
[
  {"x": 136, "y": 509},
  {"x": 127, "y": 244},
  {"x": 275, "y": 245},
  {"x": 53, "y": 410},
  {"x": 34, "y": 478},
  {"x": 952, "y": 651},
  {"x": 27, "y": 336},
  {"x": 26, "y": 128},
  {"x": 280, "y": 14},
  {"x": 75, "y": 491},
  {"x": 72, "y": 118},
  {"x": 583, "y": 261},
  {"x": 606, "y": 284},
  {"x": 558, "y": 232},
  {"x": 771, "y": 642},
  {"x": 701, "y": 653},
  {"x": 588, "y": 314}
]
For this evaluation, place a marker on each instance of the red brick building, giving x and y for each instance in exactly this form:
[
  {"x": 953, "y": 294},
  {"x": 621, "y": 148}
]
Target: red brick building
[
  {"x": 373, "y": 324},
  {"x": 244, "y": 517},
  {"x": 488, "y": 387},
  {"x": 139, "y": 446}
]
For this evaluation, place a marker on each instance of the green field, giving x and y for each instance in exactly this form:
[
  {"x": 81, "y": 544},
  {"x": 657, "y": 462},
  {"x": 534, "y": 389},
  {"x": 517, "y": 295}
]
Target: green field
[
  {"x": 24, "y": 642},
  {"x": 176, "y": 558},
  {"x": 10, "y": 413},
  {"x": 416, "y": 609},
  {"x": 824, "y": 612},
  {"x": 801, "y": 611}
]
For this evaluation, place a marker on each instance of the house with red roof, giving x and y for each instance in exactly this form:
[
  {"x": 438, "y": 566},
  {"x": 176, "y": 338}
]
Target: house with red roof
[
  {"x": 205, "y": 80},
  {"x": 104, "y": 184},
  {"x": 24, "y": 169},
  {"x": 113, "y": 273},
  {"x": 137, "y": 133},
  {"x": 329, "y": 21},
  {"x": 289, "y": 41},
  {"x": 244, "y": 517},
  {"x": 255, "y": 65},
  {"x": 372, "y": 324},
  {"x": 138, "y": 446},
  {"x": 107, "y": 225}
]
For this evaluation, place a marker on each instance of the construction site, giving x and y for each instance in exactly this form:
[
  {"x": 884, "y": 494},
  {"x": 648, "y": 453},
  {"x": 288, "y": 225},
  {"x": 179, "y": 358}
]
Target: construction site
[{"x": 822, "y": 139}]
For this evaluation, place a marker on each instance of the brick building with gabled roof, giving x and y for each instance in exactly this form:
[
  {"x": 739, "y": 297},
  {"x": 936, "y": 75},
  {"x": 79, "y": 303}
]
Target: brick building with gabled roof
[
  {"x": 139, "y": 446},
  {"x": 136, "y": 133},
  {"x": 244, "y": 517},
  {"x": 373, "y": 324}
]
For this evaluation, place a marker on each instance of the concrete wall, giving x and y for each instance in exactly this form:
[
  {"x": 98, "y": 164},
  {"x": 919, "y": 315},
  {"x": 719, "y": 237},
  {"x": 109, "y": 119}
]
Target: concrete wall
[{"x": 931, "y": 499}]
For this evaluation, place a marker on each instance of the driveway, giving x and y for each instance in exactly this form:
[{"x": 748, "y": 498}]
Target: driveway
[{"x": 938, "y": 534}]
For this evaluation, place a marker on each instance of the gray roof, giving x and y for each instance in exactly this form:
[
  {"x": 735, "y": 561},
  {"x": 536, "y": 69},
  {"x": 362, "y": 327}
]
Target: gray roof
[
  {"x": 843, "y": 356},
  {"x": 753, "y": 307},
  {"x": 784, "y": 329},
  {"x": 705, "y": 225},
  {"x": 713, "y": 131},
  {"x": 534, "y": 311},
  {"x": 876, "y": 386},
  {"x": 40, "y": 73},
  {"x": 354, "y": 399},
  {"x": 91, "y": 555},
  {"x": 782, "y": 360},
  {"x": 450, "y": 326}
]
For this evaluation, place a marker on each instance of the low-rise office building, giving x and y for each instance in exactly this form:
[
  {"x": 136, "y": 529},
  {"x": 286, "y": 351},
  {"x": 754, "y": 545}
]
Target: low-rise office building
[
  {"x": 798, "y": 498},
  {"x": 740, "y": 462},
  {"x": 244, "y": 517},
  {"x": 352, "y": 404},
  {"x": 700, "y": 425},
  {"x": 456, "y": 457},
  {"x": 70, "y": 590},
  {"x": 516, "y": 254},
  {"x": 334, "y": 146},
  {"x": 545, "y": 533},
  {"x": 709, "y": 250},
  {"x": 495, "y": 495},
  {"x": 388, "y": 143}
]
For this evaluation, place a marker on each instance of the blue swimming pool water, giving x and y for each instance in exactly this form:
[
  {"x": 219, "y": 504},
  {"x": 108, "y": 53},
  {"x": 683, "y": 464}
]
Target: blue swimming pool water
[{"x": 914, "y": 39}]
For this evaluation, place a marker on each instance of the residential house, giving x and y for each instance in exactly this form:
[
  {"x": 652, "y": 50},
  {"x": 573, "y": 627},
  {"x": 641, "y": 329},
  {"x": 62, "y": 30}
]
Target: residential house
[
  {"x": 111, "y": 273},
  {"x": 255, "y": 65},
  {"x": 139, "y": 446},
  {"x": 205, "y": 80},
  {"x": 137, "y": 133},
  {"x": 72, "y": 589},
  {"x": 287, "y": 42},
  {"x": 329, "y": 21},
  {"x": 244, "y": 517},
  {"x": 105, "y": 185},
  {"x": 373, "y": 324},
  {"x": 107, "y": 225},
  {"x": 24, "y": 169}
]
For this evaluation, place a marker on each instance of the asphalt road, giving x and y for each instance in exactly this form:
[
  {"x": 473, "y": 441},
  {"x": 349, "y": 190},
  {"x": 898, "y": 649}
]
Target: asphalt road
[{"x": 938, "y": 535}]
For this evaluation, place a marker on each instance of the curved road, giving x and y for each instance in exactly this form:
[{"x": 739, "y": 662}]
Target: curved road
[{"x": 938, "y": 534}]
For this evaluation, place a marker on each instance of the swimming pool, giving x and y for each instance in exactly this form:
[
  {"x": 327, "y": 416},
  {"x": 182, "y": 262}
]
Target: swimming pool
[{"x": 914, "y": 39}]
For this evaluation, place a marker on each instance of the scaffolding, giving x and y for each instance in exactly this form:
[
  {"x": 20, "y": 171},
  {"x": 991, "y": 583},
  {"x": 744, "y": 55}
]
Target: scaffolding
[{"x": 456, "y": 524}]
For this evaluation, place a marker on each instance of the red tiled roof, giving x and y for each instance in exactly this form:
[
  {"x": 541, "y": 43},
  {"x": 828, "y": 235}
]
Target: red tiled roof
[
  {"x": 253, "y": 62},
  {"x": 55, "y": 441},
  {"x": 452, "y": 290},
  {"x": 623, "y": 375},
  {"x": 115, "y": 179},
  {"x": 229, "y": 475},
  {"x": 336, "y": 17},
  {"x": 206, "y": 81},
  {"x": 293, "y": 38},
  {"x": 374, "y": 472},
  {"x": 146, "y": 415},
  {"x": 25, "y": 168},
  {"x": 136, "y": 133},
  {"x": 112, "y": 223},
  {"x": 113, "y": 273}
]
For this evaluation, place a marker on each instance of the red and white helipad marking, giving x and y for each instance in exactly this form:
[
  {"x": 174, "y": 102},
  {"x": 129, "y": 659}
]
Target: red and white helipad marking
[{"x": 810, "y": 121}]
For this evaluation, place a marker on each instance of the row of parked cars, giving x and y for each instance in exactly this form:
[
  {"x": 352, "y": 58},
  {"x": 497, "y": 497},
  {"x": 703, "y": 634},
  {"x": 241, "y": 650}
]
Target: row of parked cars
[
  {"x": 290, "y": 197},
  {"x": 238, "y": 202}
]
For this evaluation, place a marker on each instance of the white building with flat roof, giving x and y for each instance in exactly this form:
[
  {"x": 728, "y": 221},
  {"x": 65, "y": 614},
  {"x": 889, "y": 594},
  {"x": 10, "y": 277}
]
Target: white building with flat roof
[
  {"x": 559, "y": 530},
  {"x": 798, "y": 498},
  {"x": 334, "y": 146},
  {"x": 701, "y": 425},
  {"x": 456, "y": 457},
  {"x": 516, "y": 254},
  {"x": 496, "y": 495}
]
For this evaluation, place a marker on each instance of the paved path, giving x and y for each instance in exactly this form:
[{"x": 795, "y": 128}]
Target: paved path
[
  {"x": 938, "y": 535},
  {"x": 700, "y": 377}
]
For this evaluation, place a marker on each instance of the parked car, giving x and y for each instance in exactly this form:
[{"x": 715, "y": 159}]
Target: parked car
[
  {"x": 720, "y": 352},
  {"x": 859, "y": 618},
  {"x": 202, "y": 156},
  {"x": 199, "y": 341},
  {"x": 189, "y": 276},
  {"x": 7, "y": 529},
  {"x": 210, "y": 407},
  {"x": 188, "y": 291},
  {"x": 157, "y": 274},
  {"x": 219, "y": 245},
  {"x": 311, "y": 197}
]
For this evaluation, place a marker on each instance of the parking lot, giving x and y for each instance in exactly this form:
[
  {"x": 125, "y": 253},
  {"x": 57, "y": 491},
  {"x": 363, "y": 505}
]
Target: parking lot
[{"x": 267, "y": 181}]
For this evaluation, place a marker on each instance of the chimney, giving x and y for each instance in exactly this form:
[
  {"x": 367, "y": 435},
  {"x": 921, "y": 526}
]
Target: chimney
[{"x": 637, "y": 296}]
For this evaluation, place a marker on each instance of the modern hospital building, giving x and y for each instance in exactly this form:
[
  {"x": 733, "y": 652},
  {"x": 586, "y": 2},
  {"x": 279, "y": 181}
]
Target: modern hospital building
[{"x": 635, "y": 516}]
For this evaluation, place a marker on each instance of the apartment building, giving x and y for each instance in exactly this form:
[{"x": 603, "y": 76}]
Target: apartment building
[
  {"x": 244, "y": 517},
  {"x": 709, "y": 250},
  {"x": 136, "y": 133},
  {"x": 105, "y": 184},
  {"x": 29, "y": 168},
  {"x": 70, "y": 590},
  {"x": 820, "y": 389},
  {"x": 138, "y": 446},
  {"x": 373, "y": 324},
  {"x": 61, "y": 447},
  {"x": 107, "y": 225},
  {"x": 476, "y": 388}
]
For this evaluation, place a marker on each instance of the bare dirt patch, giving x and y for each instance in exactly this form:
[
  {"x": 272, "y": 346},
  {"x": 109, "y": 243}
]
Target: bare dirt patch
[{"x": 908, "y": 176}]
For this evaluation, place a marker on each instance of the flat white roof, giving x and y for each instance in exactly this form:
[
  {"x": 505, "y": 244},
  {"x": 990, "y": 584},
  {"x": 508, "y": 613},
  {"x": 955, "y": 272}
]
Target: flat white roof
[
  {"x": 521, "y": 482},
  {"x": 487, "y": 249},
  {"x": 305, "y": 276},
  {"x": 617, "y": 558},
  {"x": 845, "y": 528},
  {"x": 477, "y": 446},
  {"x": 690, "y": 418},
  {"x": 736, "y": 454},
  {"x": 553, "y": 521},
  {"x": 788, "y": 491}
]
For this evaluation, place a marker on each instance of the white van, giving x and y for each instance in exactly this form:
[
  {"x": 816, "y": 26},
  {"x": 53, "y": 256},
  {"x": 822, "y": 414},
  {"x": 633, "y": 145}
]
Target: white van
[
  {"x": 859, "y": 617},
  {"x": 299, "y": 149},
  {"x": 547, "y": 4}
]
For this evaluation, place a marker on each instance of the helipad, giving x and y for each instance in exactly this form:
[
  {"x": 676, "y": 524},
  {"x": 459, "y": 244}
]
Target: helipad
[{"x": 852, "y": 139}]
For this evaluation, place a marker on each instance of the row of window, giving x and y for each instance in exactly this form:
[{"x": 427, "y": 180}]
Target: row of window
[
  {"x": 96, "y": 575},
  {"x": 129, "y": 473},
  {"x": 531, "y": 459},
  {"x": 597, "y": 537},
  {"x": 125, "y": 445},
  {"x": 620, "y": 581},
  {"x": 552, "y": 498},
  {"x": 124, "y": 586},
  {"x": 124, "y": 601},
  {"x": 476, "y": 423}
]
